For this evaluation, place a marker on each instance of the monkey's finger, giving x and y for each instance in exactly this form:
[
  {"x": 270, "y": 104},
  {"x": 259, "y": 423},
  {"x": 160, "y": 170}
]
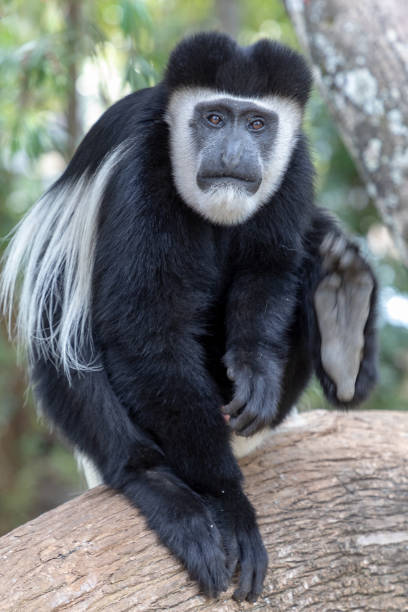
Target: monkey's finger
[
  {"x": 242, "y": 421},
  {"x": 231, "y": 373},
  {"x": 349, "y": 257},
  {"x": 232, "y": 556},
  {"x": 234, "y": 407},
  {"x": 245, "y": 581},
  {"x": 257, "y": 584},
  {"x": 253, "y": 427},
  {"x": 327, "y": 242},
  {"x": 332, "y": 249},
  {"x": 326, "y": 250}
]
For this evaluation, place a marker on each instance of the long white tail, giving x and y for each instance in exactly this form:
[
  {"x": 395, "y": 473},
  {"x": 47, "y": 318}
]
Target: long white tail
[{"x": 53, "y": 251}]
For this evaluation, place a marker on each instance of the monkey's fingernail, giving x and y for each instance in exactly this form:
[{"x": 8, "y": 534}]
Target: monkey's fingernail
[{"x": 226, "y": 417}]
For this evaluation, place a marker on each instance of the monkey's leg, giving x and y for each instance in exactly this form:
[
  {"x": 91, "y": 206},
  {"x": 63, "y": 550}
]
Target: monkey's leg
[
  {"x": 194, "y": 438},
  {"x": 345, "y": 304},
  {"x": 90, "y": 416}
]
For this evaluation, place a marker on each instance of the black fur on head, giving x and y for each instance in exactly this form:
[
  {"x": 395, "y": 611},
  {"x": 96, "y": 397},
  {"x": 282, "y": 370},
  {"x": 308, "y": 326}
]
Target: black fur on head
[{"x": 214, "y": 60}]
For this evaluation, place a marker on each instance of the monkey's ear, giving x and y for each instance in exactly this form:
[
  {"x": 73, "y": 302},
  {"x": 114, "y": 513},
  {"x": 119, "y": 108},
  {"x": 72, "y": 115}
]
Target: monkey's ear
[{"x": 196, "y": 60}]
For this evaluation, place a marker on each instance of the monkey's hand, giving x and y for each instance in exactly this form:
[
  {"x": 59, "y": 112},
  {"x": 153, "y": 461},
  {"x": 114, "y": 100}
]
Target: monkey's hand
[{"x": 255, "y": 400}]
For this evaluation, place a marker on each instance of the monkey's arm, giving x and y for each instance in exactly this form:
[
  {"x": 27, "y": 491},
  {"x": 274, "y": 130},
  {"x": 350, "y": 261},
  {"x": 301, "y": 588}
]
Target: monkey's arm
[
  {"x": 338, "y": 294},
  {"x": 261, "y": 304}
]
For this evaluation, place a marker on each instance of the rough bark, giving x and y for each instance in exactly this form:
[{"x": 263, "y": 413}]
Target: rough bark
[
  {"x": 331, "y": 492},
  {"x": 360, "y": 54}
]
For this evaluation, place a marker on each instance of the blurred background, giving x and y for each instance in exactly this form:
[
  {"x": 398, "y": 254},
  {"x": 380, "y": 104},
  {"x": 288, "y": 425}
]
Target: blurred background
[{"x": 62, "y": 62}]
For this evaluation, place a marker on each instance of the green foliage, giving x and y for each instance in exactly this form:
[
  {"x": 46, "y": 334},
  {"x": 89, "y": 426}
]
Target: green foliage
[{"x": 64, "y": 58}]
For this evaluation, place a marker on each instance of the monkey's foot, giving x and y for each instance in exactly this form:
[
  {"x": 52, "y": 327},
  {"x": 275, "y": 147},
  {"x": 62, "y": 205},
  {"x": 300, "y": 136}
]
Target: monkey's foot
[
  {"x": 342, "y": 303},
  {"x": 243, "y": 544}
]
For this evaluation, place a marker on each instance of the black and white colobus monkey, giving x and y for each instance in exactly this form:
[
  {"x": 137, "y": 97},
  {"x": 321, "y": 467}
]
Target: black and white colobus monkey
[{"x": 179, "y": 266}]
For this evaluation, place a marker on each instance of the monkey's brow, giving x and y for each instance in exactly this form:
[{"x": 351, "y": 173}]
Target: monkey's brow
[{"x": 230, "y": 104}]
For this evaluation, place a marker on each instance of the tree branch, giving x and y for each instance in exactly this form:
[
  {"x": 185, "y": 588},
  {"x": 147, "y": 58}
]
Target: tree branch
[{"x": 331, "y": 494}]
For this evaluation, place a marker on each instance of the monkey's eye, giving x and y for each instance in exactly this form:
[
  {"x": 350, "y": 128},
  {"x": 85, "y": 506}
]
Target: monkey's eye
[
  {"x": 256, "y": 125},
  {"x": 214, "y": 119}
]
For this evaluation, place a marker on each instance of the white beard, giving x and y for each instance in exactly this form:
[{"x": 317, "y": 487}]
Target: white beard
[{"x": 226, "y": 204}]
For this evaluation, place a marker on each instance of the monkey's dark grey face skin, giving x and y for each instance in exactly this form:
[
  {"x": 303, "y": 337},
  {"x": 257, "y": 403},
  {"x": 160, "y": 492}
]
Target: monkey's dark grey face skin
[
  {"x": 229, "y": 153},
  {"x": 234, "y": 139}
]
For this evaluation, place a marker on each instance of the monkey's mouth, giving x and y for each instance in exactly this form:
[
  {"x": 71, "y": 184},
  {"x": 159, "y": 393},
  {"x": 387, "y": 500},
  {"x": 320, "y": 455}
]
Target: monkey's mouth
[{"x": 207, "y": 182}]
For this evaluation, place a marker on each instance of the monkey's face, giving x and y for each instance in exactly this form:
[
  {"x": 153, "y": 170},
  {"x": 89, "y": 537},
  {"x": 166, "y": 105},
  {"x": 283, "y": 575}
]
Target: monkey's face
[
  {"x": 229, "y": 154},
  {"x": 233, "y": 139}
]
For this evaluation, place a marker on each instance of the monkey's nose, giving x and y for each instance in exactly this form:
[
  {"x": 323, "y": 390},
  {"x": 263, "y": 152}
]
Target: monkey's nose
[{"x": 231, "y": 156}]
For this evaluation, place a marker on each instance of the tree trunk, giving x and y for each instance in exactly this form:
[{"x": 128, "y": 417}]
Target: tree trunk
[
  {"x": 360, "y": 54},
  {"x": 331, "y": 492}
]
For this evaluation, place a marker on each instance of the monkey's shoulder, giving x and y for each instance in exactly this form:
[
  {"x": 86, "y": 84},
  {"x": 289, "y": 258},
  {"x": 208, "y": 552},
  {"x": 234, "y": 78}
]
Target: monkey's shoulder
[{"x": 121, "y": 122}]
